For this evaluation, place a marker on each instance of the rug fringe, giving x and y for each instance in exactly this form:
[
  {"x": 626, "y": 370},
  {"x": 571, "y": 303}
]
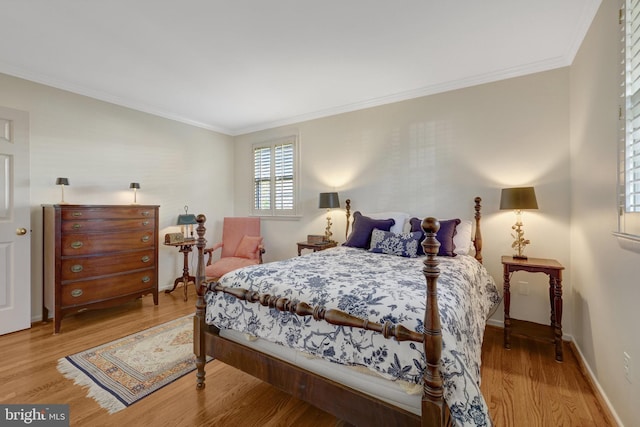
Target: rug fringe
[{"x": 104, "y": 398}]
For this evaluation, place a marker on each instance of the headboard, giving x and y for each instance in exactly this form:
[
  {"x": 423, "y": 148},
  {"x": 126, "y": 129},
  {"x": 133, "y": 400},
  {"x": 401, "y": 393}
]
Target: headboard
[{"x": 477, "y": 237}]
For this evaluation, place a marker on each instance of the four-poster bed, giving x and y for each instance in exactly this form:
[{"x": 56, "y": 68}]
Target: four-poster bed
[{"x": 327, "y": 391}]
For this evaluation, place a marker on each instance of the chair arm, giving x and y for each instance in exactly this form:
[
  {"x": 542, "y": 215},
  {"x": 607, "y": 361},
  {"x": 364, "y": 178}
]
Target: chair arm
[{"x": 211, "y": 250}]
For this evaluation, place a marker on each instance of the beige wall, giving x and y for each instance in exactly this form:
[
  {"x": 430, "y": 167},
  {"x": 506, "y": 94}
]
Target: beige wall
[
  {"x": 101, "y": 148},
  {"x": 606, "y": 289},
  {"x": 431, "y": 156}
]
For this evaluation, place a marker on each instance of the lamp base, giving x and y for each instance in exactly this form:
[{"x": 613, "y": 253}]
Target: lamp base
[
  {"x": 520, "y": 257},
  {"x": 327, "y": 231}
]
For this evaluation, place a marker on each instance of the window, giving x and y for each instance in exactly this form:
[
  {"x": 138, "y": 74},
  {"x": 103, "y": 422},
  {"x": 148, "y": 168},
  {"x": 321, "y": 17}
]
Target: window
[
  {"x": 629, "y": 151},
  {"x": 275, "y": 178}
]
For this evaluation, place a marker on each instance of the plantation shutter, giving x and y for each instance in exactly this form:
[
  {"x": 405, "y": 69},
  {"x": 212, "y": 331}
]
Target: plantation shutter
[
  {"x": 262, "y": 178},
  {"x": 274, "y": 181},
  {"x": 630, "y": 19},
  {"x": 284, "y": 176}
]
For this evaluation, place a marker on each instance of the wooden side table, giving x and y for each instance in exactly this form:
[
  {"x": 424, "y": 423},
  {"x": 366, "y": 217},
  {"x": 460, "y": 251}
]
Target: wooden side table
[
  {"x": 553, "y": 269},
  {"x": 185, "y": 248},
  {"x": 315, "y": 247}
]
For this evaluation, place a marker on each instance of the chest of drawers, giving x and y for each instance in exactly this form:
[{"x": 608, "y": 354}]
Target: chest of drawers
[{"x": 96, "y": 256}]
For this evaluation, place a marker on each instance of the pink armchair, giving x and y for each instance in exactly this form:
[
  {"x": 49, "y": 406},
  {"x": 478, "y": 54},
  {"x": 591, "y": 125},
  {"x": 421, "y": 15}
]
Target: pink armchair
[{"x": 241, "y": 246}]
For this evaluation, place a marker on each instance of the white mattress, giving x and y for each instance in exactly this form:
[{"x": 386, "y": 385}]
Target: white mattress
[{"x": 401, "y": 394}]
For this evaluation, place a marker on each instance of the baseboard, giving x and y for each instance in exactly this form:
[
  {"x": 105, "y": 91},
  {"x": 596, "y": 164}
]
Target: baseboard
[
  {"x": 600, "y": 394},
  {"x": 586, "y": 369}
]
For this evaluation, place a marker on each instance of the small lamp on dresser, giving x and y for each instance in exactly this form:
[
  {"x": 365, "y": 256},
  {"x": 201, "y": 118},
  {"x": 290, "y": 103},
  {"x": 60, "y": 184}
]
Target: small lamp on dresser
[
  {"x": 328, "y": 201},
  {"x": 62, "y": 182},
  {"x": 518, "y": 198},
  {"x": 135, "y": 186}
]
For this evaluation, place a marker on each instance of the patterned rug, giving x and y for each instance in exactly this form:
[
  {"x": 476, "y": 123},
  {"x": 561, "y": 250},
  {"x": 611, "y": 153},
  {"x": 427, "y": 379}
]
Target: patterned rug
[{"x": 124, "y": 371}]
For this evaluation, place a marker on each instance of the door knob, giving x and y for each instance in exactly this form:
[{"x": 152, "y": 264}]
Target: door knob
[{"x": 21, "y": 231}]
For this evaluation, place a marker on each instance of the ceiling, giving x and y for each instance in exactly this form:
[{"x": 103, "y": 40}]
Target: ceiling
[{"x": 237, "y": 66}]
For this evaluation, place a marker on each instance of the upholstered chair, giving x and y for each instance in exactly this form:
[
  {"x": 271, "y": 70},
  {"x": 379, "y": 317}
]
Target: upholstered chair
[{"x": 241, "y": 246}]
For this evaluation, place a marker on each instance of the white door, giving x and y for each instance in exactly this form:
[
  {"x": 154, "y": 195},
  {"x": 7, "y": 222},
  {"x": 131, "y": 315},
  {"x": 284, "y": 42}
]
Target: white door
[{"x": 15, "y": 222}]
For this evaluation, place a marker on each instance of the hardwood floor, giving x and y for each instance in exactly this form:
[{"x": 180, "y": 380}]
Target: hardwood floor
[{"x": 523, "y": 386}]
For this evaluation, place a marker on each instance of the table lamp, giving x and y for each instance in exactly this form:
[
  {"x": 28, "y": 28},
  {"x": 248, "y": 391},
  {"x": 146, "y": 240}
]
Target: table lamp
[
  {"x": 328, "y": 201},
  {"x": 135, "y": 186},
  {"x": 186, "y": 222},
  {"x": 518, "y": 198},
  {"x": 62, "y": 182}
]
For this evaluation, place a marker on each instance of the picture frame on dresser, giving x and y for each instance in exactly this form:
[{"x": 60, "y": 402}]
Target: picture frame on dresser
[{"x": 97, "y": 256}]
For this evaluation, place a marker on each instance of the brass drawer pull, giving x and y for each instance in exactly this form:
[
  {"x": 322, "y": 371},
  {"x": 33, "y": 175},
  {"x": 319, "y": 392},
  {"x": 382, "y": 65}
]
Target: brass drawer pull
[
  {"x": 146, "y": 258},
  {"x": 76, "y": 214},
  {"x": 76, "y": 226},
  {"x": 146, "y": 279},
  {"x": 145, "y": 223},
  {"x": 76, "y": 244},
  {"x": 145, "y": 213},
  {"x": 77, "y": 268},
  {"x": 76, "y": 293},
  {"x": 145, "y": 238}
]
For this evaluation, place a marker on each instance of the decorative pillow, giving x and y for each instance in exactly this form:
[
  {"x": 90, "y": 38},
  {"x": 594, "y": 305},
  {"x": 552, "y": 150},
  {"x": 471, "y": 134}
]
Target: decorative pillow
[
  {"x": 390, "y": 243},
  {"x": 360, "y": 237},
  {"x": 399, "y": 217},
  {"x": 248, "y": 247},
  {"x": 444, "y": 235},
  {"x": 462, "y": 239}
]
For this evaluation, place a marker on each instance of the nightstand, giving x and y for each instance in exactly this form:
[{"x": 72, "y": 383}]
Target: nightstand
[
  {"x": 315, "y": 247},
  {"x": 551, "y": 268}
]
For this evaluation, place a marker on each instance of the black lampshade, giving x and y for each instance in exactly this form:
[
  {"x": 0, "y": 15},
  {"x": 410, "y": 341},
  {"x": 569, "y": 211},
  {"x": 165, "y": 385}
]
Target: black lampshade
[
  {"x": 518, "y": 198},
  {"x": 62, "y": 181},
  {"x": 329, "y": 201},
  {"x": 187, "y": 218},
  {"x": 135, "y": 185}
]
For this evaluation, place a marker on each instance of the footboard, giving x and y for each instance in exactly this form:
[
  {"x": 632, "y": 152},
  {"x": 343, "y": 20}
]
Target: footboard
[{"x": 310, "y": 387}]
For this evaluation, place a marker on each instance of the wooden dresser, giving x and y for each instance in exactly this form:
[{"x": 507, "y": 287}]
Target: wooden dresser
[{"x": 96, "y": 256}]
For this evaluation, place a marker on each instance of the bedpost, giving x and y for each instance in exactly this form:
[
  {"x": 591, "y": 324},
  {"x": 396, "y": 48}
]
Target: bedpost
[
  {"x": 198, "y": 320},
  {"x": 477, "y": 240},
  {"x": 433, "y": 407},
  {"x": 348, "y": 212}
]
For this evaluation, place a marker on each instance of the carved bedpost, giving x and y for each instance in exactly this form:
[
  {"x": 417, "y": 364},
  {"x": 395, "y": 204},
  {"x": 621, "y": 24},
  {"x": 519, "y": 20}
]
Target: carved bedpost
[
  {"x": 198, "y": 320},
  {"x": 348, "y": 208},
  {"x": 433, "y": 406},
  {"x": 477, "y": 240}
]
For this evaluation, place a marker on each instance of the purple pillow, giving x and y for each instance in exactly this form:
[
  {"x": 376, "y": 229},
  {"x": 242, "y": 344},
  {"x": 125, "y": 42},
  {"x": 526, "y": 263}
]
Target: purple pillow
[
  {"x": 360, "y": 237},
  {"x": 444, "y": 235}
]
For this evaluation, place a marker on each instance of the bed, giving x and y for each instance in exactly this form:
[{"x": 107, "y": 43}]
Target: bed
[{"x": 375, "y": 356}]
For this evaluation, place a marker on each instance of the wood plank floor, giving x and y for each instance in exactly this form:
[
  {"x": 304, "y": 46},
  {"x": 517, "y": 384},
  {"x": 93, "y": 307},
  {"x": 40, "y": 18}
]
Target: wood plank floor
[{"x": 523, "y": 386}]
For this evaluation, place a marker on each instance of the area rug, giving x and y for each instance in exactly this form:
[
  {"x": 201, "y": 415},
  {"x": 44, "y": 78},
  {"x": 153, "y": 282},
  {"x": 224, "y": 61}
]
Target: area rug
[{"x": 124, "y": 371}]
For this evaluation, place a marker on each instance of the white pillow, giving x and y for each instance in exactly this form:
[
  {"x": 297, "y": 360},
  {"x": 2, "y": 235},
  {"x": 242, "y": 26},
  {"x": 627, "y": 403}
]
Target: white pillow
[
  {"x": 462, "y": 238},
  {"x": 399, "y": 217}
]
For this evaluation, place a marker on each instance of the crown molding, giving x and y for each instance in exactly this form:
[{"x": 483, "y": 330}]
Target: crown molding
[{"x": 492, "y": 77}]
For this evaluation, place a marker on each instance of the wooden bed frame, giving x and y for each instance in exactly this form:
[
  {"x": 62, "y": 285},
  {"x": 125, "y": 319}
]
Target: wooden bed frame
[{"x": 346, "y": 404}]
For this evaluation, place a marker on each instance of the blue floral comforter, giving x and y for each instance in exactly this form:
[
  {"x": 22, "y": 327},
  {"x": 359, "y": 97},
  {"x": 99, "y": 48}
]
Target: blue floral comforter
[{"x": 377, "y": 287}]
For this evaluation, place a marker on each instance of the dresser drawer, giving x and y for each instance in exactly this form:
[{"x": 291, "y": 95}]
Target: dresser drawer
[
  {"x": 83, "y": 267},
  {"x": 97, "y": 290},
  {"x": 97, "y": 225},
  {"x": 88, "y": 244},
  {"x": 106, "y": 212}
]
